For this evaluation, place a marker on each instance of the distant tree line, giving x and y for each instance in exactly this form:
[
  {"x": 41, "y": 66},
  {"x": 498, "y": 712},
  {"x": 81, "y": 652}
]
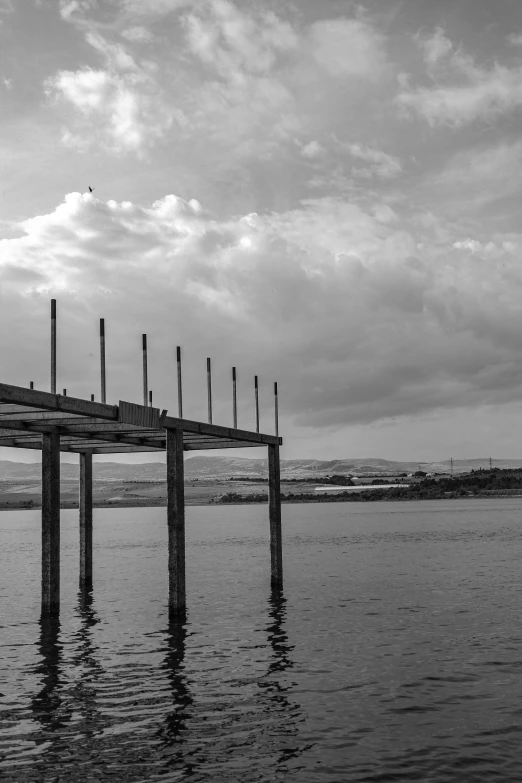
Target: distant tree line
[{"x": 430, "y": 488}]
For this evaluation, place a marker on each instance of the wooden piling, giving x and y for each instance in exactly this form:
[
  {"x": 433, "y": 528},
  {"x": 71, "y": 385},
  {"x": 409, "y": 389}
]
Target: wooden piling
[
  {"x": 274, "y": 507},
  {"x": 92, "y": 397},
  {"x": 31, "y": 385},
  {"x": 145, "y": 381},
  {"x": 176, "y": 522},
  {"x": 209, "y": 391},
  {"x": 65, "y": 392},
  {"x": 276, "y": 409},
  {"x": 53, "y": 346},
  {"x": 85, "y": 506},
  {"x": 180, "y": 390},
  {"x": 150, "y": 398},
  {"x": 234, "y": 397},
  {"x": 256, "y": 391},
  {"x": 102, "y": 360},
  {"x": 50, "y": 523}
]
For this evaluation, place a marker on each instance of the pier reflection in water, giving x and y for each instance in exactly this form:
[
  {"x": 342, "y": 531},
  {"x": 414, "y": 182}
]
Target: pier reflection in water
[
  {"x": 166, "y": 712},
  {"x": 397, "y": 622},
  {"x": 246, "y": 721}
]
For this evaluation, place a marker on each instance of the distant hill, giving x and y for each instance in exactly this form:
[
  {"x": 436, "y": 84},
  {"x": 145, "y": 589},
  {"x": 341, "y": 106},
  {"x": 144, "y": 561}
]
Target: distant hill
[{"x": 210, "y": 467}]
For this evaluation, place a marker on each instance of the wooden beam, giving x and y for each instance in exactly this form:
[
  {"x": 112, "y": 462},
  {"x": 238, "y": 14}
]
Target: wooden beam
[
  {"x": 50, "y": 523},
  {"x": 176, "y": 523},
  {"x": 274, "y": 505},
  {"x": 85, "y": 508},
  {"x": 217, "y": 431},
  {"x": 216, "y": 444},
  {"x": 56, "y": 402}
]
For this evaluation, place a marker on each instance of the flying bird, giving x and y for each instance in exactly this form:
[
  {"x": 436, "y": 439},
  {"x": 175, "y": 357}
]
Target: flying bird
[{"x": 90, "y": 189}]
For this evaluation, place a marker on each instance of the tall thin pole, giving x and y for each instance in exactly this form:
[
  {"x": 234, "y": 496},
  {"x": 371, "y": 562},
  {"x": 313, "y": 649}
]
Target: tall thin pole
[
  {"x": 276, "y": 410},
  {"x": 256, "y": 390},
  {"x": 31, "y": 385},
  {"x": 150, "y": 398},
  {"x": 209, "y": 391},
  {"x": 65, "y": 392},
  {"x": 180, "y": 390},
  {"x": 53, "y": 346},
  {"x": 102, "y": 359},
  {"x": 145, "y": 382},
  {"x": 234, "y": 397}
]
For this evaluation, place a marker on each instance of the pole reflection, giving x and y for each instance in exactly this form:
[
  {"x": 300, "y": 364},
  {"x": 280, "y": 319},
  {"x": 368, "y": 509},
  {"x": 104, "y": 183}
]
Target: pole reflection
[
  {"x": 86, "y": 664},
  {"x": 285, "y": 712},
  {"x": 174, "y": 729},
  {"x": 46, "y": 704}
]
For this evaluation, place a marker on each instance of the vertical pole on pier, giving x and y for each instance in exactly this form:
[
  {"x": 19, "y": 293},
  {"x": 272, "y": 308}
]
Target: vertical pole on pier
[
  {"x": 234, "y": 397},
  {"x": 276, "y": 409},
  {"x": 65, "y": 392},
  {"x": 53, "y": 346},
  {"x": 31, "y": 385},
  {"x": 274, "y": 508},
  {"x": 102, "y": 360},
  {"x": 150, "y": 398},
  {"x": 92, "y": 397},
  {"x": 209, "y": 391},
  {"x": 180, "y": 391},
  {"x": 85, "y": 505},
  {"x": 50, "y": 523},
  {"x": 145, "y": 382},
  {"x": 176, "y": 522},
  {"x": 256, "y": 391}
]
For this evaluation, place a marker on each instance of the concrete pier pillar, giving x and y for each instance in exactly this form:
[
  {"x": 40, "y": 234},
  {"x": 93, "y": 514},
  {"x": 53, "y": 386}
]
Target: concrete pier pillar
[
  {"x": 274, "y": 506},
  {"x": 176, "y": 523},
  {"x": 85, "y": 506},
  {"x": 50, "y": 523}
]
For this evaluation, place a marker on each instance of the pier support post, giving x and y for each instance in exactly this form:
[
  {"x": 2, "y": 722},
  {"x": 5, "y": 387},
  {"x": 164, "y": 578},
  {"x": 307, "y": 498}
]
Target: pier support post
[
  {"x": 50, "y": 523},
  {"x": 176, "y": 523},
  {"x": 274, "y": 506},
  {"x": 85, "y": 506}
]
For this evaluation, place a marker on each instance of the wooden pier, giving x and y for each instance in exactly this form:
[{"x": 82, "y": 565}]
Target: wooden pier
[{"x": 54, "y": 423}]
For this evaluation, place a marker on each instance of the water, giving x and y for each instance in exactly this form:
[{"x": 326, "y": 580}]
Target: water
[{"x": 393, "y": 653}]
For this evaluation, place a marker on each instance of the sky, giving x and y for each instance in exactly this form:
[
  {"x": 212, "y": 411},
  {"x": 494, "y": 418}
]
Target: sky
[{"x": 326, "y": 194}]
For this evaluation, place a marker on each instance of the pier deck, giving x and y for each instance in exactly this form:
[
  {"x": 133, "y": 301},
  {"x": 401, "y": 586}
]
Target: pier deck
[{"x": 98, "y": 428}]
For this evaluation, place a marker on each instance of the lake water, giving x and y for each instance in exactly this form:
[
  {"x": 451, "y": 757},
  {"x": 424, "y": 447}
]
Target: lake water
[{"x": 394, "y": 652}]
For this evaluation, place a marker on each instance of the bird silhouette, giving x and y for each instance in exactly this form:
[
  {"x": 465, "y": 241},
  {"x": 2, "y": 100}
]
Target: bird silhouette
[{"x": 90, "y": 189}]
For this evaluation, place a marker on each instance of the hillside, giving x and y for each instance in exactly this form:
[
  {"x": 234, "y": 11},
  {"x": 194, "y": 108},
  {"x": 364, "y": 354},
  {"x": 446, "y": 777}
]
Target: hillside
[{"x": 210, "y": 467}]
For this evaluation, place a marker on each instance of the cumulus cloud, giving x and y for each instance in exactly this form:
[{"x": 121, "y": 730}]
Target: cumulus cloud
[
  {"x": 232, "y": 42},
  {"x": 137, "y": 34},
  {"x": 120, "y": 106},
  {"x": 380, "y": 164},
  {"x": 337, "y": 302},
  {"x": 153, "y": 7},
  {"x": 312, "y": 150},
  {"x": 466, "y": 91},
  {"x": 435, "y": 47},
  {"x": 348, "y": 48}
]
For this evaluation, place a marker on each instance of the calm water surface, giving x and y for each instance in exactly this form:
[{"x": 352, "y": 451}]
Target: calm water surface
[{"x": 394, "y": 652}]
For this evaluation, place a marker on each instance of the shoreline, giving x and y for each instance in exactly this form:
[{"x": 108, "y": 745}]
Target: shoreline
[{"x": 162, "y": 503}]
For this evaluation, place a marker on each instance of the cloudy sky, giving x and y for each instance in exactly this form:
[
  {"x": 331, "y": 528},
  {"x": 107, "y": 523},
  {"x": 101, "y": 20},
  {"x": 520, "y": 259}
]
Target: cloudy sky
[{"x": 327, "y": 194}]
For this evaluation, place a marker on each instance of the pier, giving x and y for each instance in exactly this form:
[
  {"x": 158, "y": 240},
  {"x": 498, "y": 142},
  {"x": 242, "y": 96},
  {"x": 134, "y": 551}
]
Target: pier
[{"x": 55, "y": 423}]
